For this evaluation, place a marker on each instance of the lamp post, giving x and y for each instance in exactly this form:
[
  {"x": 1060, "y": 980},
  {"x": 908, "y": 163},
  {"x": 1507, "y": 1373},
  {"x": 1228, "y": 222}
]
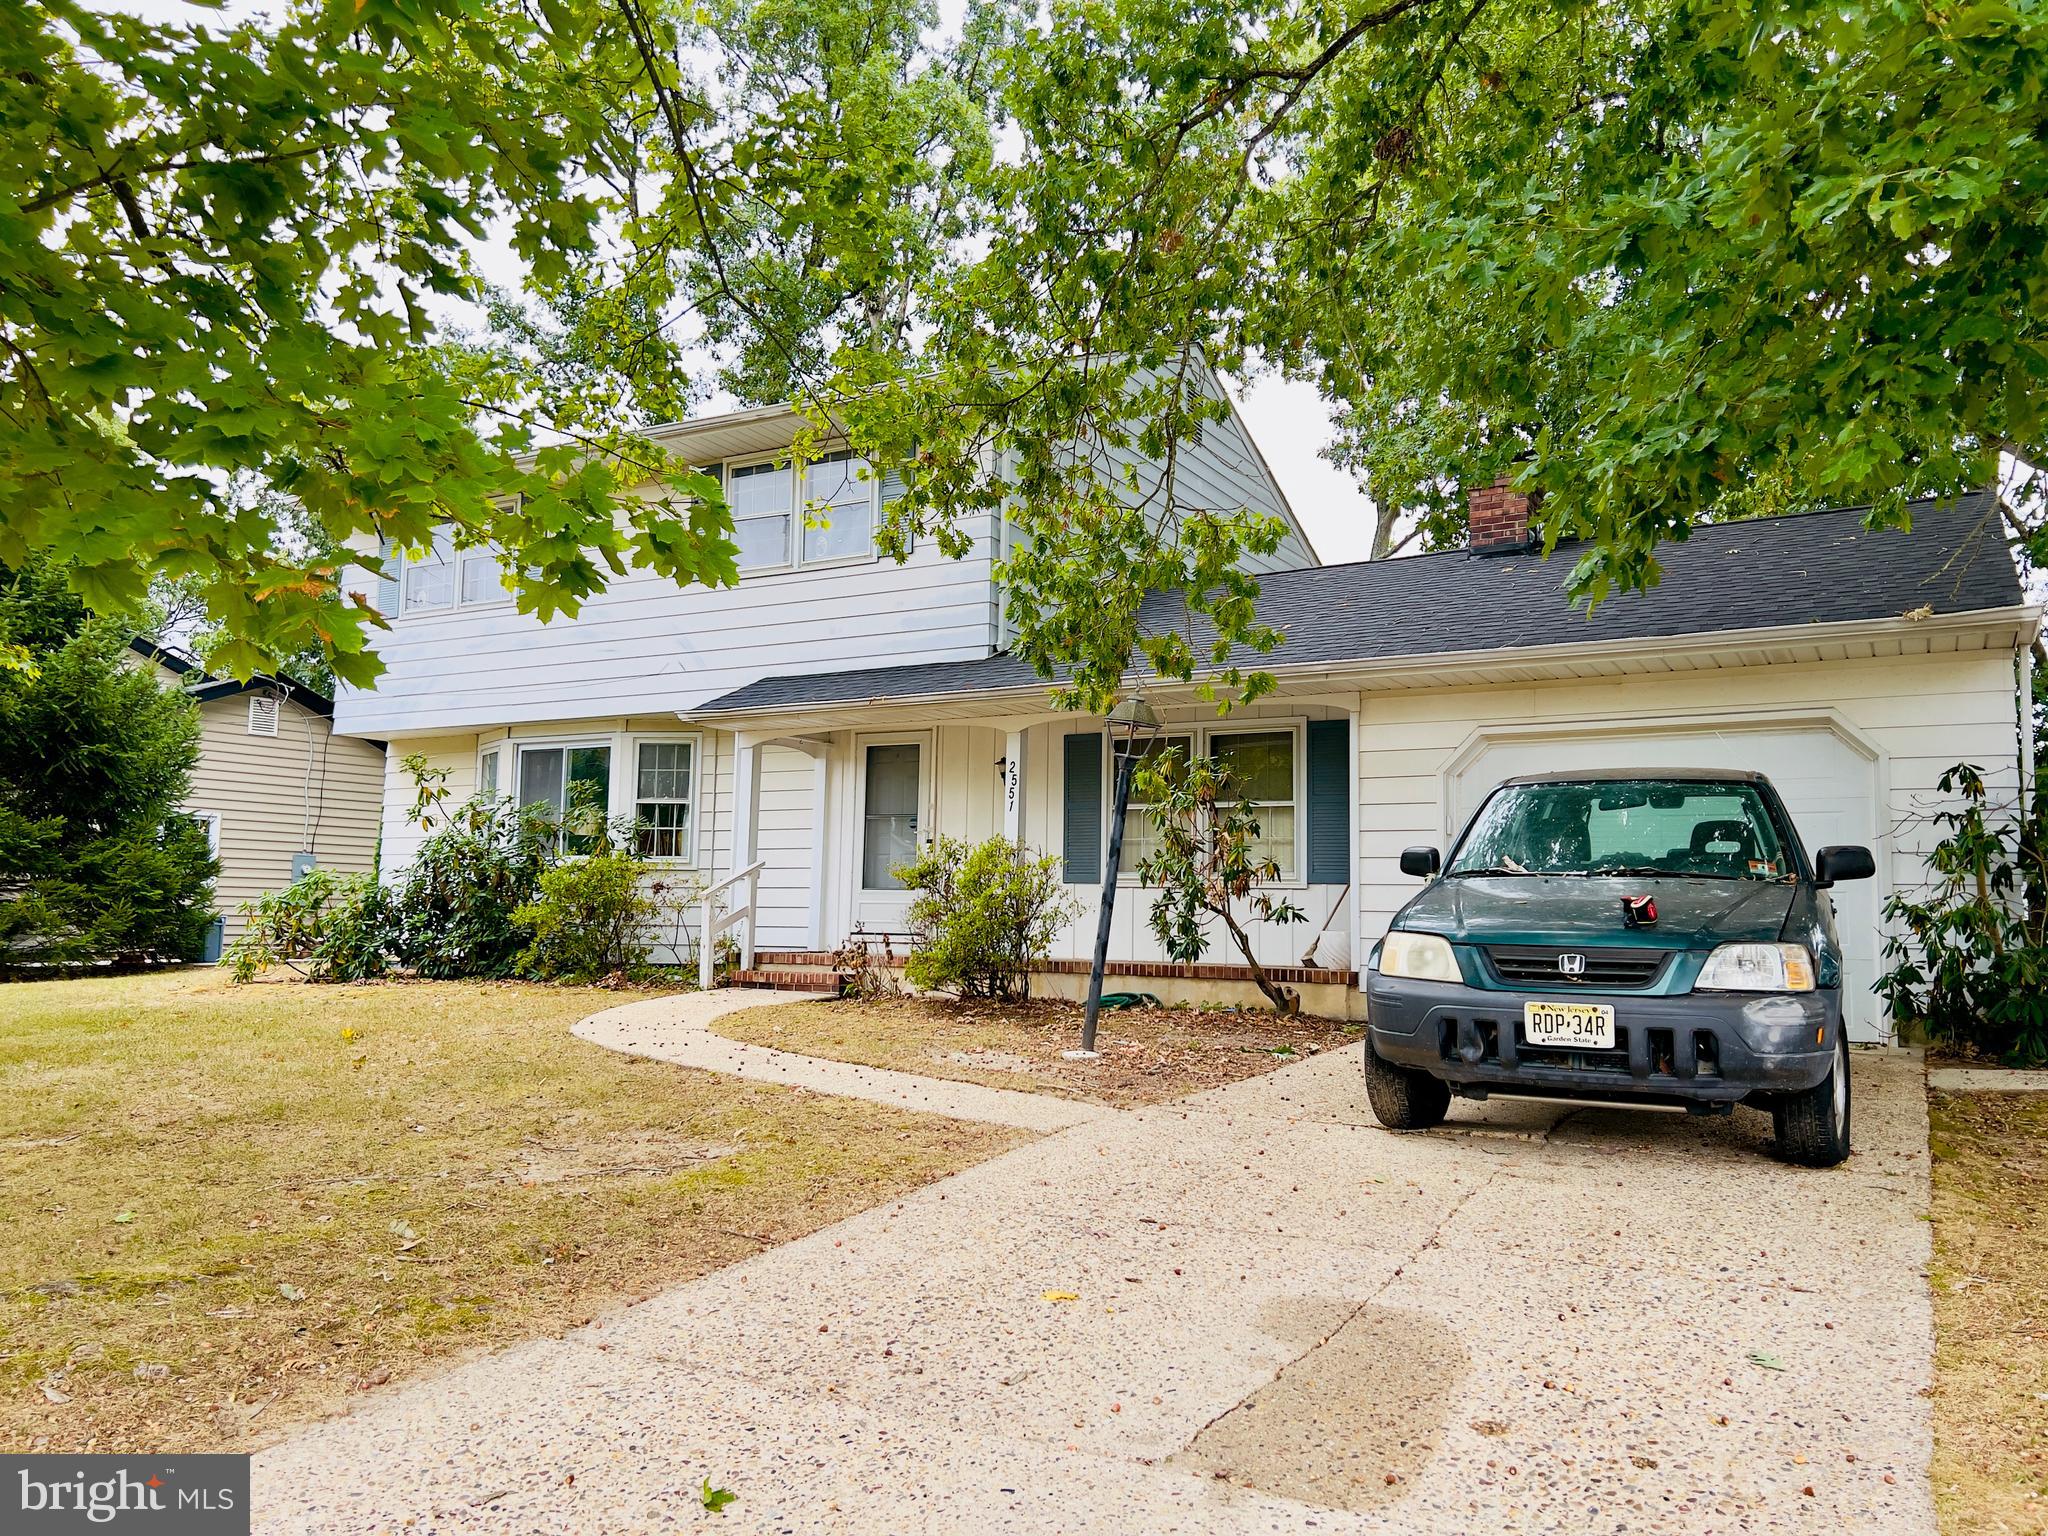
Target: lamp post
[{"x": 1135, "y": 723}]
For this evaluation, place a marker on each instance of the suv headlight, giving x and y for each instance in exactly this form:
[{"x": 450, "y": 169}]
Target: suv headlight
[
  {"x": 1757, "y": 968},
  {"x": 1423, "y": 956}
]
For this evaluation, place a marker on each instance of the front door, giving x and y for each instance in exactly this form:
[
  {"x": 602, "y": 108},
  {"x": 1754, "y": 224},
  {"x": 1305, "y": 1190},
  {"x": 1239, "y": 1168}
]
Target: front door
[{"x": 894, "y": 812}]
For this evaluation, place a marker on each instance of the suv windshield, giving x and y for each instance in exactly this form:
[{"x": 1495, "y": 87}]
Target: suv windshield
[{"x": 1711, "y": 829}]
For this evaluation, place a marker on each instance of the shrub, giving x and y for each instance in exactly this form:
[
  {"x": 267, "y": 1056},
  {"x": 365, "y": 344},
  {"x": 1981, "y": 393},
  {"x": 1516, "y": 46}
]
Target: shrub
[
  {"x": 861, "y": 978},
  {"x": 457, "y": 912},
  {"x": 326, "y": 926},
  {"x": 590, "y": 919},
  {"x": 1970, "y": 959},
  {"x": 1206, "y": 862},
  {"x": 982, "y": 917}
]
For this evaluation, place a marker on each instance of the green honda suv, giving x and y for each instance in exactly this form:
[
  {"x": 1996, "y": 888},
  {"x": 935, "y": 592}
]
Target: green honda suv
[{"x": 1656, "y": 939}]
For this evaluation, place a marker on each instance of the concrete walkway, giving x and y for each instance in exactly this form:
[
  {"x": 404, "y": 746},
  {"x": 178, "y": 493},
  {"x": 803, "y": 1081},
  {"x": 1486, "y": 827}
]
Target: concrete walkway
[
  {"x": 1987, "y": 1080},
  {"x": 678, "y": 1029},
  {"x": 1532, "y": 1320}
]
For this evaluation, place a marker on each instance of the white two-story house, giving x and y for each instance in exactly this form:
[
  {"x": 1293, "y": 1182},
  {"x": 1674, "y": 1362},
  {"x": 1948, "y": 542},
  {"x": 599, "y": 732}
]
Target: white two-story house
[{"x": 835, "y": 708}]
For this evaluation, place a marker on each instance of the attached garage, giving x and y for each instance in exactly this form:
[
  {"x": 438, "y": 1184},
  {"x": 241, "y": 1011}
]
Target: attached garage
[{"x": 1826, "y": 772}]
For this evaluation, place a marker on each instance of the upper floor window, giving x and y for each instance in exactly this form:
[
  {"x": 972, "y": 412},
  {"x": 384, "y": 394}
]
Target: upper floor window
[
  {"x": 443, "y": 577},
  {"x": 763, "y": 507},
  {"x": 839, "y": 492},
  {"x": 429, "y": 581},
  {"x": 821, "y": 516}
]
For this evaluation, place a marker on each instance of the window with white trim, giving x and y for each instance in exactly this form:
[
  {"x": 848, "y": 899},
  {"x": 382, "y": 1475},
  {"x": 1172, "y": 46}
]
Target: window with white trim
[
  {"x": 839, "y": 494},
  {"x": 429, "y": 578},
  {"x": 1262, "y": 764},
  {"x": 664, "y": 797},
  {"x": 1265, "y": 763},
  {"x": 209, "y": 821},
  {"x": 573, "y": 783},
  {"x": 762, "y": 506},
  {"x": 784, "y": 520},
  {"x": 487, "y": 773},
  {"x": 444, "y": 577},
  {"x": 483, "y": 577},
  {"x": 1141, "y": 837},
  {"x": 262, "y": 714}
]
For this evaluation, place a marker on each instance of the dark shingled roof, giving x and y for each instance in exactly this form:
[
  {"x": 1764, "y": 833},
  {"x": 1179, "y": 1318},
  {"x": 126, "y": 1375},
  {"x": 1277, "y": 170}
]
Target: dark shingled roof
[{"x": 1813, "y": 568}]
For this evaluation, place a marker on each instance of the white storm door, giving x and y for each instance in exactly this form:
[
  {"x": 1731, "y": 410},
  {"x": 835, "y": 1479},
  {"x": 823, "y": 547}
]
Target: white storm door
[{"x": 893, "y": 821}]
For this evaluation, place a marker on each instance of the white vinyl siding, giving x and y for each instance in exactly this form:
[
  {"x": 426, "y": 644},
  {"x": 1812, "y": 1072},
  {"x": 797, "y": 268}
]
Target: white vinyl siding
[{"x": 645, "y": 644}]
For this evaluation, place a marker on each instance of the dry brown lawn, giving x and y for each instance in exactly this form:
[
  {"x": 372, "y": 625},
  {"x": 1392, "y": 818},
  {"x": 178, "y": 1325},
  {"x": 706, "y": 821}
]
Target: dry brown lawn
[
  {"x": 229, "y": 1208},
  {"x": 1991, "y": 1313},
  {"x": 1149, "y": 1055}
]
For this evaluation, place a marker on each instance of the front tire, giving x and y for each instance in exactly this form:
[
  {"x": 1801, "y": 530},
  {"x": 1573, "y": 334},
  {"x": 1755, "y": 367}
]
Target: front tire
[
  {"x": 1404, "y": 1098},
  {"x": 1813, "y": 1126}
]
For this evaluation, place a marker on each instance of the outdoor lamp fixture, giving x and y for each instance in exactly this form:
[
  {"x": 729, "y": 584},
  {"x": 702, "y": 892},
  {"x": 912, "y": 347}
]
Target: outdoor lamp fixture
[{"x": 1135, "y": 724}]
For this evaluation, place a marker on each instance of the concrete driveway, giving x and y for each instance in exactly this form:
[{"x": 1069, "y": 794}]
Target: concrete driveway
[{"x": 1283, "y": 1319}]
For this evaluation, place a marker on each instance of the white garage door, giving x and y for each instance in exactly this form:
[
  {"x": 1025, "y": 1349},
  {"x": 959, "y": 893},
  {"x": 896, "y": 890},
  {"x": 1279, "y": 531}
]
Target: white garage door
[{"x": 1829, "y": 787}]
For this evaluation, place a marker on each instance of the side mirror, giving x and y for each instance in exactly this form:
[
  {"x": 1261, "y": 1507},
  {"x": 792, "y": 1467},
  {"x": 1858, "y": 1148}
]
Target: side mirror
[
  {"x": 1845, "y": 861},
  {"x": 1421, "y": 862}
]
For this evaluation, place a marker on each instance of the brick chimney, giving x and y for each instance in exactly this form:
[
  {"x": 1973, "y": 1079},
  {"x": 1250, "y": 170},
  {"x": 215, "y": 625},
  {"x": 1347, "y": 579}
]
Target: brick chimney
[{"x": 1498, "y": 519}]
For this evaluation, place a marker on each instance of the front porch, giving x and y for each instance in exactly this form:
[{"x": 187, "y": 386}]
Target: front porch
[{"x": 825, "y": 808}]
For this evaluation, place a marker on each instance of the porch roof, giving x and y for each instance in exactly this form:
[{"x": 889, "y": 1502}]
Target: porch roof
[{"x": 1770, "y": 576}]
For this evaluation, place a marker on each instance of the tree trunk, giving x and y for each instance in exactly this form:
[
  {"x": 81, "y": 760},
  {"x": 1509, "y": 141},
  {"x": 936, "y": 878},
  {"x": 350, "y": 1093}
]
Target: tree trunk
[{"x": 1285, "y": 1000}]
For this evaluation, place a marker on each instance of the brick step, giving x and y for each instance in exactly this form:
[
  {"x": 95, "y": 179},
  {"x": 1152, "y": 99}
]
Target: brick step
[
  {"x": 787, "y": 979},
  {"x": 811, "y": 959}
]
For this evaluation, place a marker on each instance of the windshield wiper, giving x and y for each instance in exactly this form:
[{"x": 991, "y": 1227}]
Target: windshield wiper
[{"x": 1496, "y": 870}]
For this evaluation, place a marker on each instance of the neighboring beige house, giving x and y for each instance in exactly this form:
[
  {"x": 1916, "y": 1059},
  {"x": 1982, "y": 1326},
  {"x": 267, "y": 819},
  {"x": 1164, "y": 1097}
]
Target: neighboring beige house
[{"x": 279, "y": 792}]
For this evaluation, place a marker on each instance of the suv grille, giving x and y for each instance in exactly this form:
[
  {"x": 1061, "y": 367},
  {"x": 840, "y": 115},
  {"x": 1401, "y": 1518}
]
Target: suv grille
[{"x": 1609, "y": 968}]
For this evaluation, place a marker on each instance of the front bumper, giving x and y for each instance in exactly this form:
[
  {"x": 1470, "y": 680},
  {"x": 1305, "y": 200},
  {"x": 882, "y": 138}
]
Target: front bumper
[{"x": 1700, "y": 1048}]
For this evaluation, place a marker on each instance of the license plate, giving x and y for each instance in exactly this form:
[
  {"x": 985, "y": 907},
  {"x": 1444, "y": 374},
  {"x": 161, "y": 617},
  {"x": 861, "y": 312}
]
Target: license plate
[{"x": 1586, "y": 1026}]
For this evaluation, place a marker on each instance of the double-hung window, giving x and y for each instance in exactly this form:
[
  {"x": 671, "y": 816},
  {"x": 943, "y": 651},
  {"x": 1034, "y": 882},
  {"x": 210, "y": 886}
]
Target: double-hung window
[
  {"x": 445, "y": 577},
  {"x": 762, "y": 503},
  {"x": 664, "y": 795},
  {"x": 1261, "y": 767},
  {"x": 574, "y": 784},
  {"x": 1141, "y": 837},
  {"x": 430, "y": 579},
  {"x": 483, "y": 578},
  {"x": 839, "y": 495},
  {"x": 783, "y": 518}
]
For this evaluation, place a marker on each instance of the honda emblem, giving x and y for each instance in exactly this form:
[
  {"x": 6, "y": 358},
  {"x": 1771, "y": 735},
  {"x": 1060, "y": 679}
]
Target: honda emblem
[{"x": 1572, "y": 964}]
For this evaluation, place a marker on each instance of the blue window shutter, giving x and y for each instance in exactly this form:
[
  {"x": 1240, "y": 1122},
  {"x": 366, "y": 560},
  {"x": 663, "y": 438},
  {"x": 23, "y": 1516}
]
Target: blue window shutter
[
  {"x": 893, "y": 486},
  {"x": 1329, "y": 802},
  {"x": 1081, "y": 820},
  {"x": 387, "y": 580}
]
